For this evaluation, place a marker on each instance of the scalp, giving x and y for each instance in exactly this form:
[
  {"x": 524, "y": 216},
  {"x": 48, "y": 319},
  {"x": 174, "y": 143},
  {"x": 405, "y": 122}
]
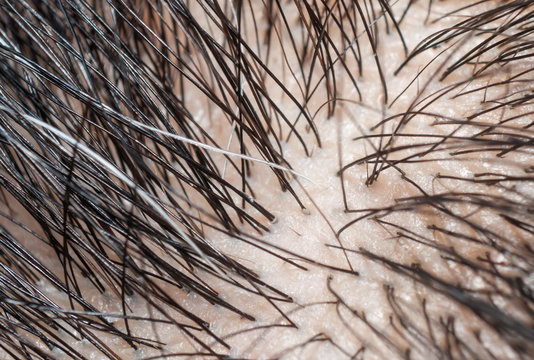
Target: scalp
[{"x": 281, "y": 179}]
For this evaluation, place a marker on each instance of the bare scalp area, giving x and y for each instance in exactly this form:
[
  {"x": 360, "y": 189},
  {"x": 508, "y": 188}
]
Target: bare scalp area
[{"x": 276, "y": 179}]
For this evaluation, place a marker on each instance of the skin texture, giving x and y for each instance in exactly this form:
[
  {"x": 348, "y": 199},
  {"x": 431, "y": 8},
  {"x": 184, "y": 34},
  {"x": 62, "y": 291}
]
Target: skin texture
[{"x": 403, "y": 149}]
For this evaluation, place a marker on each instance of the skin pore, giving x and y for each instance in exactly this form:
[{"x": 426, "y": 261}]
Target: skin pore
[{"x": 277, "y": 179}]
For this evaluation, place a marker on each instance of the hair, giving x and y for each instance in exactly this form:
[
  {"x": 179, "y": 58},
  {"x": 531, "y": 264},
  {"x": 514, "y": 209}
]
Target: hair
[{"x": 134, "y": 135}]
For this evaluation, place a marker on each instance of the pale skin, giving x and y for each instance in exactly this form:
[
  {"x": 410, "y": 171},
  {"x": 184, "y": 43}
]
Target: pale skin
[{"x": 338, "y": 297}]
